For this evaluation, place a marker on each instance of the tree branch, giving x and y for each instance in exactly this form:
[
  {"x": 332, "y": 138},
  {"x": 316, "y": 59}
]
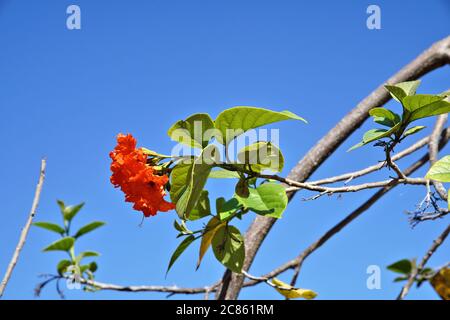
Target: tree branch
[
  {"x": 24, "y": 234},
  {"x": 436, "y": 56},
  {"x": 433, "y": 151}
]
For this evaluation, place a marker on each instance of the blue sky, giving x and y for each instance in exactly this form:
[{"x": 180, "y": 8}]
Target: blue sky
[{"x": 140, "y": 66}]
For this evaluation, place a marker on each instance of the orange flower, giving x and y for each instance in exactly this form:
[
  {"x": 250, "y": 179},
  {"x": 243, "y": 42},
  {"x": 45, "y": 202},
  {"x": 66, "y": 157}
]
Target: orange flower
[{"x": 141, "y": 185}]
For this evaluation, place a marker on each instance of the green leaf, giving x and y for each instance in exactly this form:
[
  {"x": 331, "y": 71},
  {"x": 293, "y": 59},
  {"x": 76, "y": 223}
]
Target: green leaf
[
  {"x": 241, "y": 119},
  {"x": 403, "y": 89},
  {"x": 223, "y": 174},
  {"x": 179, "y": 250},
  {"x": 228, "y": 247},
  {"x": 88, "y": 228},
  {"x": 71, "y": 211},
  {"x": 208, "y": 234},
  {"x": 413, "y": 130},
  {"x": 191, "y": 132},
  {"x": 202, "y": 208},
  {"x": 86, "y": 254},
  {"x": 62, "y": 266},
  {"x": 196, "y": 182},
  {"x": 403, "y": 266},
  {"x": 262, "y": 155},
  {"x": 432, "y": 109},
  {"x": 269, "y": 199},
  {"x": 375, "y": 134},
  {"x": 401, "y": 278},
  {"x": 228, "y": 208},
  {"x": 412, "y": 103},
  {"x": 179, "y": 178},
  {"x": 385, "y": 117},
  {"x": 50, "y": 226},
  {"x": 440, "y": 171},
  {"x": 64, "y": 244},
  {"x": 61, "y": 205}
]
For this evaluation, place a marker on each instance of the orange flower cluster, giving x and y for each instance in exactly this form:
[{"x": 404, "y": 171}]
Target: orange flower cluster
[{"x": 136, "y": 179}]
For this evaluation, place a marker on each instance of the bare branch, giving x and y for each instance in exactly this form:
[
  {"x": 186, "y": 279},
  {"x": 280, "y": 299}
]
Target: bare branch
[
  {"x": 26, "y": 228},
  {"x": 436, "y": 244},
  {"x": 436, "y": 56}
]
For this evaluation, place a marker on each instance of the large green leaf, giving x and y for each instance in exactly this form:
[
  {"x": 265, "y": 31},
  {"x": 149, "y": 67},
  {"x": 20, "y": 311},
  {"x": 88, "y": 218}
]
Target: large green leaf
[
  {"x": 196, "y": 181},
  {"x": 228, "y": 247},
  {"x": 403, "y": 266},
  {"x": 192, "y": 131},
  {"x": 412, "y": 103},
  {"x": 440, "y": 171},
  {"x": 179, "y": 178},
  {"x": 241, "y": 119},
  {"x": 262, "y": 155},
  {"x": 202, "y": 208},
  {"x": 64, "y": 244},
  {"x": 432, "y": 109},
  {"x": 88, "y": 228},
  {"x": 50, "y": 226},
  {"x": 403, "y": 89},
  {"x": 384, "y": 117},
  {"x": 269, "y": 199},
  {"x": 179, "y": 250}
]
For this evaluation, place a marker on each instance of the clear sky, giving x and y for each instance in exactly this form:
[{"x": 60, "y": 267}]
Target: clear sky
[{"x": 139, "y": 66}]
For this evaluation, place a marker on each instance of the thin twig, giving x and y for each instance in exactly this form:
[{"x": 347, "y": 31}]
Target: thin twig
[
  {"x": 23, "y": 235},
  {"x": 436, "y": 244}
]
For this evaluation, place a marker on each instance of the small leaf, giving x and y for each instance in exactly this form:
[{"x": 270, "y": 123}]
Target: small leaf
[
  {"x": 413, "y": 130},
  {"x": 385, "y": 117},
  {"x": 88, "y": 228},
  {"x": 193, "y": 131},
  {"x": 403, "y": 89},
  {"x": 208, "y": 234},
  {"x": 228, "y": 208},
  {"x": 403, "y": 266},
  {"x": 262, "y": 155},
  {"x": 179, "y": 178},
  {"x": 241, "y": 188},
  {"x": 440, "y": 171},
  {"x": 228, "y": 247},
  {"x": 290, "y": 292},
  {"x": 62, "y": 266},
  {"x": 202, "y": 208},
  {"x": 93, "y": 266},
  {"x": 223, "y": 174},
  {"x": 241, "y": 119},
  {"x": 71, "y": 211},
  {"x": 375, "y": 134},
  {"x": 269, "y": 199},
  {"x": 87, "y": 254},
  {"x": 50, "y": 226},
  {"x": 61, "y": 205},
  {"x": 179, "y": 250},
  {"x": 64, "y": 244}
]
